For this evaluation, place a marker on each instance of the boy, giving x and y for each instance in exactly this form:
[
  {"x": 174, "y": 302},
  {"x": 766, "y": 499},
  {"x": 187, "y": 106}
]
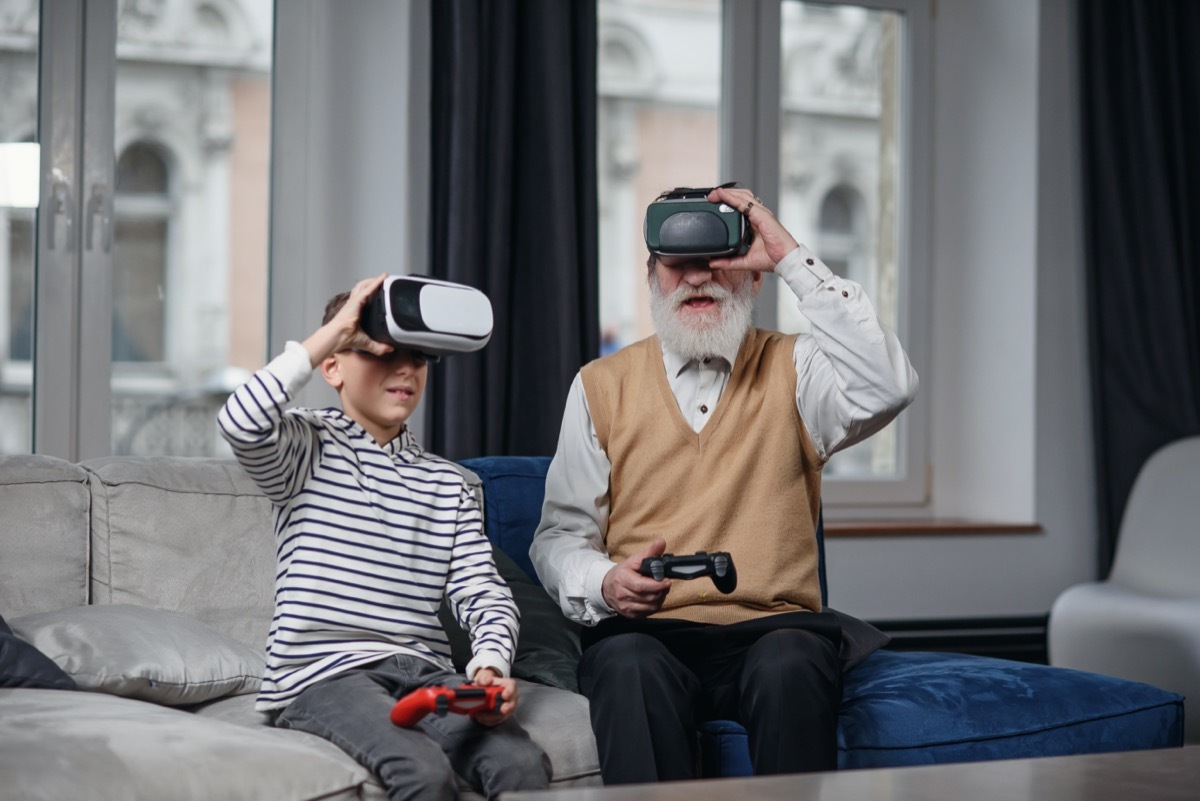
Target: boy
[{"x": 371, "y": 531}]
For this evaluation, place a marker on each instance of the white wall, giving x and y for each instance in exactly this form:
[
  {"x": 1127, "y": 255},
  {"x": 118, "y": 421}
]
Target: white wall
[
  {"x": 349, "y": 144},
  {"x": 1007, "y": 387}
]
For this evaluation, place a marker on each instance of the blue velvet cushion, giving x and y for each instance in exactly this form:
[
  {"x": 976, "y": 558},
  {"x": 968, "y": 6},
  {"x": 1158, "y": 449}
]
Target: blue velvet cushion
[
  {"x": 917, "y": 708},
  {"x": 513, "y": 489}
]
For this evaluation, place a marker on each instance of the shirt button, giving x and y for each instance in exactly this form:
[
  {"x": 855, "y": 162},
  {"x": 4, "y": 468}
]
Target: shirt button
[
  {"x": 808, "y": 261},
  {"x": 703, "y": 409}
]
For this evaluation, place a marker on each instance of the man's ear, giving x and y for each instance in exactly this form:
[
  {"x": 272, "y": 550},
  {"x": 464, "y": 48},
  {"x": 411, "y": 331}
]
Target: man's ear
[
  {"x": 331, "y": 370},
  {"x": 756, "y": 279}
]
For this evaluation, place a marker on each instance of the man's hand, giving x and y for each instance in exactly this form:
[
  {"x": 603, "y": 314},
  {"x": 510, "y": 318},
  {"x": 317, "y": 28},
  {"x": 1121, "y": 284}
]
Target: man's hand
[
  {"x": 486, "y": 677},
  {"x": 771, "y": 240},
  {"x": 630, "y": 594}
]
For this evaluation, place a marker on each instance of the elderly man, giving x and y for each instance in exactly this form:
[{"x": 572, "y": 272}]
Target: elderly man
[{"x": 711, "y": 436}]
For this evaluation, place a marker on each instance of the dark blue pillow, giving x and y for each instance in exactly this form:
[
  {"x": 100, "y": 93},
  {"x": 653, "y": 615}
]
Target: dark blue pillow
[
  {"x": 548, "y": 646},
  {"x": 22, "y": 665}
]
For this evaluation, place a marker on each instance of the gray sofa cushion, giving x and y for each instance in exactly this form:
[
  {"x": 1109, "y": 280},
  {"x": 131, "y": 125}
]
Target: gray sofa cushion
[
  {"x": 187, "y": 535},
  {"x": 144, "y": 653},
  {"x": 60, "y": 745},
  {"x": 43, "y": 536},
  {"x": 559, "y": 722},
  {"x": 556, "y": 720}
]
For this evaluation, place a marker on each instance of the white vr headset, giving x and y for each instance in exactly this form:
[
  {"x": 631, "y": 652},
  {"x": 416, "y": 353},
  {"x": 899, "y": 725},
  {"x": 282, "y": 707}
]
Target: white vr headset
[{"x": 429, "y": 316}]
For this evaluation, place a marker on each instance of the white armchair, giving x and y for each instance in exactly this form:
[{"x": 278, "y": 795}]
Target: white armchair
[{"x": 1143, "y": 622}]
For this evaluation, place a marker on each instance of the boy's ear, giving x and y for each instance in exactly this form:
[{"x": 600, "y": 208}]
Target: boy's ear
[{"x": 331, "y": 370}]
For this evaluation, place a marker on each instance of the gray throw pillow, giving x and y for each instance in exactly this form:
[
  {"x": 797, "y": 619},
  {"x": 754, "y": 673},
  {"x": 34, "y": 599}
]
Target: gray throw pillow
[
  {"x": 548, "y": 647},
  {"x": 144, "y": 653}
]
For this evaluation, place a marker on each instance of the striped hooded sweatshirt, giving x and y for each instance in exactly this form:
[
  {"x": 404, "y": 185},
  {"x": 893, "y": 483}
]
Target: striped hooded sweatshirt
[{"x": 368, "y": 539}]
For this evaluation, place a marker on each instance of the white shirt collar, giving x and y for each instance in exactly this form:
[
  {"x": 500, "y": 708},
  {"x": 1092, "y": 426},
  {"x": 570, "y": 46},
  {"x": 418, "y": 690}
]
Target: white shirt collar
[{"x": 676, "y": 364}]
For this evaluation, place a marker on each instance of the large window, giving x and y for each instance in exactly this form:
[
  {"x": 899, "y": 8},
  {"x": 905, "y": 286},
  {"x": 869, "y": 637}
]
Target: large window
[
  {"x": 153, "y": 121},
  {"x": 191, "y": 128},
  {"x": 839, "y": 133},
  {"x": 657, "y": 129},
  {"x": 166, "y": 185},
  {"x": 823, "y": 109}
]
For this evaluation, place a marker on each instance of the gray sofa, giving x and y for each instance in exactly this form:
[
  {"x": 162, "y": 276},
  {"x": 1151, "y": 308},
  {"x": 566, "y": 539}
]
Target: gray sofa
[{"x": 149, "y": 582}]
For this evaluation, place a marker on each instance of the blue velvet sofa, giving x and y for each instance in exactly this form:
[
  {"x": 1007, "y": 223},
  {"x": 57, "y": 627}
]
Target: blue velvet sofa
[{"x": 901, "y": 708}]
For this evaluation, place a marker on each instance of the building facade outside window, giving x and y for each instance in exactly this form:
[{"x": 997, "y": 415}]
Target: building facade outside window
[{"x": 143, "y": 212}]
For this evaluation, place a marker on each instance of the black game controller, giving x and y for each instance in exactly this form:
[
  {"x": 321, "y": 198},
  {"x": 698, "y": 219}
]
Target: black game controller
[{"x": 719, "y": 565}]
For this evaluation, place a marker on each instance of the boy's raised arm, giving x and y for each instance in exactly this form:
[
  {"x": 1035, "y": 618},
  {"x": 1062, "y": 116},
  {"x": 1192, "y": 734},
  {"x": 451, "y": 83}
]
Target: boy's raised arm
[{"x": 277, "y": 451}]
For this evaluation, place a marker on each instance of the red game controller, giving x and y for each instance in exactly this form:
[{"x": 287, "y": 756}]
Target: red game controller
[{"x": 467, "y": 699}]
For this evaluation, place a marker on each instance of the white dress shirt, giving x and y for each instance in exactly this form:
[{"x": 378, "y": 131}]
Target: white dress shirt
[{"x": 852, "y": 379}]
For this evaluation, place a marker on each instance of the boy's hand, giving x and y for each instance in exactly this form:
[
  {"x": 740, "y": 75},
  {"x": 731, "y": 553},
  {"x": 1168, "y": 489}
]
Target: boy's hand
[
  {"x": 343, "y": 331},
  {"x": 486, "y": 677}
]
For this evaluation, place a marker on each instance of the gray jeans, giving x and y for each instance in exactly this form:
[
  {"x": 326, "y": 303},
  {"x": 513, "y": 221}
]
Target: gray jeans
[{"x": 351, "y": 708}]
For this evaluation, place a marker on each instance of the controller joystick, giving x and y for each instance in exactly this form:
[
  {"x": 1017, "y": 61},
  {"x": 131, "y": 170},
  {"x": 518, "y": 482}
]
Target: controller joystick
[
  {"x": 717, "y": 565},
  {"x": 467, "y": 699}
]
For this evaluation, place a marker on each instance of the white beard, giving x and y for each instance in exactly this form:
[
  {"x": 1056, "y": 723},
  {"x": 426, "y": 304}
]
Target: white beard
[{"x": 721, "y": 332}]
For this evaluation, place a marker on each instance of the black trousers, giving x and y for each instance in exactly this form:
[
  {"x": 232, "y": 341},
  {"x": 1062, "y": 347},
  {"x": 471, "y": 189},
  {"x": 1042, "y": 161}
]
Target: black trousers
[{"x": 651, "y": 682}]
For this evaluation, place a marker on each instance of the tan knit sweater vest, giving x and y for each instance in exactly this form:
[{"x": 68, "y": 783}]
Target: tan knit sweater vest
[{"x": 748, "y": 483}]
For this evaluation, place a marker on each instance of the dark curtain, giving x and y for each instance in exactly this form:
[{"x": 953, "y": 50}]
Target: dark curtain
[
  {"x": 514, "y": 214},
  {"x": 1140, "y": 121}
]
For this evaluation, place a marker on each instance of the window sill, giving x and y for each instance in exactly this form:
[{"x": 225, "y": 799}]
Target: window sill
[{"x": 922, "y": 528}]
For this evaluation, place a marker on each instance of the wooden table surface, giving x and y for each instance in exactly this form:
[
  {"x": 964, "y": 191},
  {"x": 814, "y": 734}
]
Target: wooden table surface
[{"x": 1171, "y": 774}]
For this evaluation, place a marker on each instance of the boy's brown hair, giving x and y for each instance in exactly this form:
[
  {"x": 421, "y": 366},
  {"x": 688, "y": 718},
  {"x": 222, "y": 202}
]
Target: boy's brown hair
[{"x": 334, "y": 306}]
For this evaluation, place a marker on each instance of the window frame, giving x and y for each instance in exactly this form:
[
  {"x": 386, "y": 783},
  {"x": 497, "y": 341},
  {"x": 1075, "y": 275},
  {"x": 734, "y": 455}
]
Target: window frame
[
  {"x": 72, "y": 338},
  {"x": 750, "y": 119}
]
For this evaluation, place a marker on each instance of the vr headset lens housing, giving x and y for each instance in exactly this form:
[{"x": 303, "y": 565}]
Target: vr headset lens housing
[
  {"x": 431, "y": 317},
  {"x": 685, "y": 223}
]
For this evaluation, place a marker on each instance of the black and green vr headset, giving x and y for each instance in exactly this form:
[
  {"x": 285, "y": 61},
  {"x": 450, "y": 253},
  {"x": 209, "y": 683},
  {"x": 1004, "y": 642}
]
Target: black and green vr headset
[{"x": 684, "y": 223}]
